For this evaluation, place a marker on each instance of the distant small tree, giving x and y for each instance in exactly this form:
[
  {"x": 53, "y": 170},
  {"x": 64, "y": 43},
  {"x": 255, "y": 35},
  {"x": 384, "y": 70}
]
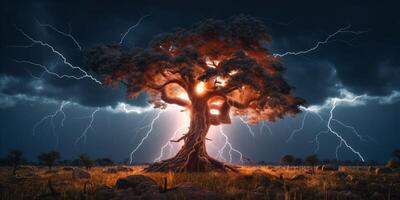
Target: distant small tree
[
  {"x": 104, "y": 162},
  {"x": 287, "y": 159},
  {"x": 86, "y": 161},
  {"x": 396, "y": 154},
  {"x": 14, "y": 158},
  {"x": 312, "y": 160},
  {"x": 49, "y": 158}
]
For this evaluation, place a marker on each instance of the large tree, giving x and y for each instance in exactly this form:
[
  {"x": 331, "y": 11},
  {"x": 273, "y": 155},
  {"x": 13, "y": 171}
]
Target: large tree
[{"x": 214, "y": 69}]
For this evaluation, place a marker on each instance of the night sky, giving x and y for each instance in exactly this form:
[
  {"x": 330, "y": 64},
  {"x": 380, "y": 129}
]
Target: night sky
[{"x": 362, "y": 61}]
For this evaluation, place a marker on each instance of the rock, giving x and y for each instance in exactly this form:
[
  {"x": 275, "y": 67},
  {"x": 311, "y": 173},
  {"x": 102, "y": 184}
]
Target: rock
[
  {"x": 139, "y": 184},
  {"x": 350, "y": 178},
  {"x": 319, "y": 167},
  {"x": 382, "y": 170},
  {"x": 330, "y": 168},
  {"x": 68, "y": 168},
  {"x": 104, "y": 193},
  {"x": 298, "y": 177},
  {"x": 80, "y": 174}
]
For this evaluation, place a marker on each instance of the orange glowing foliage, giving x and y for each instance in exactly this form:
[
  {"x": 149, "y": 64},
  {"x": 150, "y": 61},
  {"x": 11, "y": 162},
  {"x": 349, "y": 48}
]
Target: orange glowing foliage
[{"x": 223, "y": 61}]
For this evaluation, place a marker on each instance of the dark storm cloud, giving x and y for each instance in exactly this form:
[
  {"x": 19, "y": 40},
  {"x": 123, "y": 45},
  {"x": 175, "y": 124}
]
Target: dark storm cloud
[
  {"x": 368, "y": 65},
  {"x": 24, "y": 76}
]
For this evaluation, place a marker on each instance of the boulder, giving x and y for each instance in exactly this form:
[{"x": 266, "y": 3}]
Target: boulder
[
  {"x": 80, "y": 174},
  {"x": 139, "y": 184},
  {"x": 330, "y": 168},
  {"x": 181, "y": 191},
  {"x": 350, "y": 178}
]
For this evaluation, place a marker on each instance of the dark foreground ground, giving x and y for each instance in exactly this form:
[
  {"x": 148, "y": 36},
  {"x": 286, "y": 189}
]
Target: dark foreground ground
[{"x": 262, "y": 182}]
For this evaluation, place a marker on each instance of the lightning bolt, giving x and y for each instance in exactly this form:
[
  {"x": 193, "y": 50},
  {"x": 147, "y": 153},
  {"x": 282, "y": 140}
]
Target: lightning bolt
[
  {"x": 345, "y": 29},
  {"x": 69, "y": 35},
  {"x": 230, "y": 147},
  {"x": 342, "y": 140},
  {"x": 361, "y": 137},
  {"x": 88, "y": 127},
  {"x": 264, "y": 124},
  {"x": 51, "y": 118},
  {"x": 168, "y": 144},
  {"x": 48, "y": 71},
  {"x": 151, "y": 125},
  {"x": 316, "y": 140},
  {"x": 298, "y": 129},
  {"x": 337, "y": 149},
  {"x": 248, "y": 126},
  {"x": 132, "y": 27},
  {"x": 61, "y": 56}
]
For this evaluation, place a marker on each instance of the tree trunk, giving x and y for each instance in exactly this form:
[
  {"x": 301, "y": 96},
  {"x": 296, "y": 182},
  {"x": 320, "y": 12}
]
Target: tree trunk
[{"x": 193, "y": 157}]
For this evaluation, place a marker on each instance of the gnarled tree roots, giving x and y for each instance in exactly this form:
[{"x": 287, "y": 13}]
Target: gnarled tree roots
[{"x": 183, "y": 164}]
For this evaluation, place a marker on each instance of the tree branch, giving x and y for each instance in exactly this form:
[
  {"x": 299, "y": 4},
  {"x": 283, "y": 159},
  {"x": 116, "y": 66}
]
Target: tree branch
[
  {"x": 159, "y": 87},
  {"x": 168, "y": 99},
  {"x": 180, "y": 139}
]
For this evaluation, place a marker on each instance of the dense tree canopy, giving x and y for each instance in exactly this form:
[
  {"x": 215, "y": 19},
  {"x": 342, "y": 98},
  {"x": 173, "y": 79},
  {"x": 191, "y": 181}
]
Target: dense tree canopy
[{"x": 224, "y": 60}]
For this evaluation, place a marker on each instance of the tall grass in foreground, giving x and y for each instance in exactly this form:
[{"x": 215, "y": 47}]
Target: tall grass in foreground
[{"x": 28, "y": 184}]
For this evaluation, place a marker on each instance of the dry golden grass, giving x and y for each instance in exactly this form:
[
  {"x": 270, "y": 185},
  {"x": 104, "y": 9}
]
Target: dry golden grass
[{"x": 28, "y": 183}]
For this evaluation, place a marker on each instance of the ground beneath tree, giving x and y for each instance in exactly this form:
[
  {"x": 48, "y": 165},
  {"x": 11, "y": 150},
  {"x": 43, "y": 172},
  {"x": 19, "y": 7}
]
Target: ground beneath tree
[{"x": 251, "y": 182}]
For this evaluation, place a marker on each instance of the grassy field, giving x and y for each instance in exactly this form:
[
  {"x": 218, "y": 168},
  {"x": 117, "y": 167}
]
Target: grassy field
[{"x": 253, "y": 182}]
